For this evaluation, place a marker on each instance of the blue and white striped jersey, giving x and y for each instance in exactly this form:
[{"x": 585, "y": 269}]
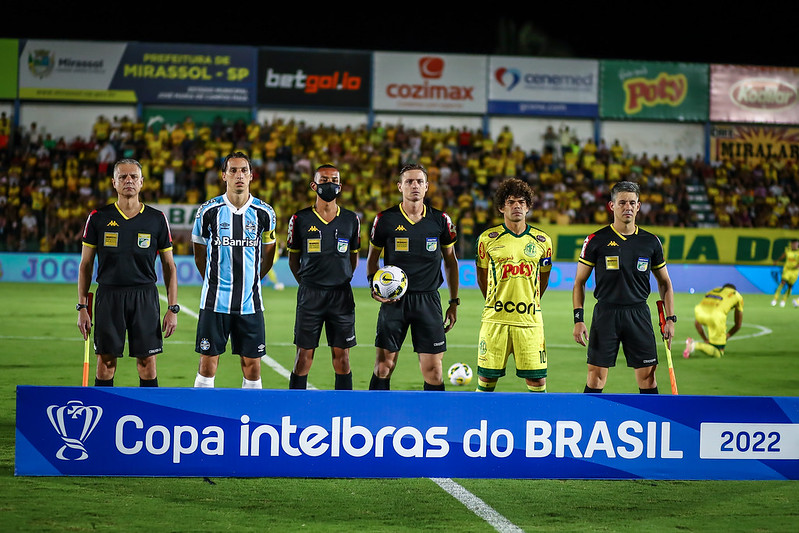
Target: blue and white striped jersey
[{"x": 234, "y": 238}]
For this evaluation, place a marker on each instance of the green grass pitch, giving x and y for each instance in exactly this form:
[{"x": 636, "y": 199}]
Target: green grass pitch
[{"x": 40, "y": 345}]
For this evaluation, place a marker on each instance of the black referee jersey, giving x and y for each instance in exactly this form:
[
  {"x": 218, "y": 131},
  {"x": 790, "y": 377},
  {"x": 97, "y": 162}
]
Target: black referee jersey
[
  {"x": 622, "y": 264},
  {"x": 325, "y": 248},
  {"x": 127, "y": 247},
  {"x": 414, "y": 247}
]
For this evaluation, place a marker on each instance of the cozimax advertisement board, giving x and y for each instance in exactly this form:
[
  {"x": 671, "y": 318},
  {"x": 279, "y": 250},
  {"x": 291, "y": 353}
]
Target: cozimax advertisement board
[
  {"x": 314, "y": 79},
  {"x": 130, "y": 431},
  {"x": 754, "y": 94},
  {"x": 429, "y": 83},
  {"x": 531, "y": 86}
]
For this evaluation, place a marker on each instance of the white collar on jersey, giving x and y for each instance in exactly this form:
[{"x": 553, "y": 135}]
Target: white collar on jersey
[{"x": 242, "y": 209}]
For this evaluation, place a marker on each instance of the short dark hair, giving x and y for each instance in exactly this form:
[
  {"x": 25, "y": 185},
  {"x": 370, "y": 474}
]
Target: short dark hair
[
  {"x": 412, "y": 166},
  {"x": 236, "y": 155},
  {"x": 625, "y": 186},
  {"x": 729, "y": 285},
  {"x": 513, "y": 187},
  {"x": 320, "y": 167}
]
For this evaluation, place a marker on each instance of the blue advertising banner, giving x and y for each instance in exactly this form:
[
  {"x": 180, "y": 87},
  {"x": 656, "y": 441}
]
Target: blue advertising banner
[
  {"x": 63, "y": 268},
  {"x": 88, "y": 431}
]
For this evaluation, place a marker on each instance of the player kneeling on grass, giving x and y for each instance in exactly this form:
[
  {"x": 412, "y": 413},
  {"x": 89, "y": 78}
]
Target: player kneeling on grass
[
  {"x": 513, "y": 264},
  {"x": 711, "y": 313}
]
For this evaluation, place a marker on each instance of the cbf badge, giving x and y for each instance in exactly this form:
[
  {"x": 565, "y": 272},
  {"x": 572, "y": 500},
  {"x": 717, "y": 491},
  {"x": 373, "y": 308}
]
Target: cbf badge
[
  {"x": 432, "y": 244},
  {"x": 144, "y": 240},
  {"x": 643, "y": 264}
]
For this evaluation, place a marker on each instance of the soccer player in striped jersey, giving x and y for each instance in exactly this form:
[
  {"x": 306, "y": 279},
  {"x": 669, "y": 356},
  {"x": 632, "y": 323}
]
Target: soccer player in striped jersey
[
  {"x": 513, "y": 264},
  {"x": 234, "y": 248}
]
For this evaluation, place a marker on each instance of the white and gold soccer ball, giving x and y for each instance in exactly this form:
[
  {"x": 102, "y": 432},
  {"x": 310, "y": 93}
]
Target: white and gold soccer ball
[
  {"x": 390, "y": 282},
  {"x": 459, "y": 374}
]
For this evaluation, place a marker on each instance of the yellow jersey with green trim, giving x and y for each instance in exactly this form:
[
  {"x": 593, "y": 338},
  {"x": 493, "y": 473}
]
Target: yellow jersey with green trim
[
  {"x": 720, "y": 301},
  {"x": 514, "y": 264},
  {"x": 791, "y": 260}
]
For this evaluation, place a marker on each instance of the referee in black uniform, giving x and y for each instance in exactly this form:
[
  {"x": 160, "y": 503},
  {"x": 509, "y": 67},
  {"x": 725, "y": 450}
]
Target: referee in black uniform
[
  {"x": 414, "y": 237},
  {"x": 623, "y": 256},
  {"x": 126, "y": 237},
  {"x": 323, "y": 244}
]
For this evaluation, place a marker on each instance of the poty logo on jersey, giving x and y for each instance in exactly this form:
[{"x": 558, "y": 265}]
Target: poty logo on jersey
[
  {"x": 507, "y": 77},
  {"x": 524, "y": 270},
  {"x": 74, "y": 422},
  {"x": 430, "y": 68},
  {"x": 312, "y": 83}
]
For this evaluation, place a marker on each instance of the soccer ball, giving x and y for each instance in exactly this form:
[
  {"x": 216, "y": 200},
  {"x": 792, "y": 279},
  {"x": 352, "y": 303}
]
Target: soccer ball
[
  {"x": 459, "y": 374},
  {"x": 390, "y": 282}
]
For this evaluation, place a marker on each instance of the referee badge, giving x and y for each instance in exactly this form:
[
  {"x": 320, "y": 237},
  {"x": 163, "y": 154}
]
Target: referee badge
[
  {"x": 643, "y": 264},
  {"x": 432, "y": 244},
  {"x": 143, "y": 240},
  {"x": 343, "y": 245}
]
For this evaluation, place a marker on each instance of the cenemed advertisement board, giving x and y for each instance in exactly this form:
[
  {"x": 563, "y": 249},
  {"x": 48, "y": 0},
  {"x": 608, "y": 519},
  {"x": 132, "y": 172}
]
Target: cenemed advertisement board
[
  {"x": 654, "y": 91},
  {"x": 135, "y": 72},
  {"x": 542, "y": 86},
  {"x": 130, "y": 431}
]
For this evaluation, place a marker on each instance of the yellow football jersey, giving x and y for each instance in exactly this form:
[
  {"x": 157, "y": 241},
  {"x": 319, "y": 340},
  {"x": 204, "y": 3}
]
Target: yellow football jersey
[
  {"x": 514, "y": 263},
  {"x": 791, "y": 259},
  {"x": 721, "y": 300}
]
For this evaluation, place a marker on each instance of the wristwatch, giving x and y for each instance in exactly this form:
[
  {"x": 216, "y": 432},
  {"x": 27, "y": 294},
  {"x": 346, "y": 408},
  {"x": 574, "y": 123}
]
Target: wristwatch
[
  {"x": 81, "y": 306},
  {"x": 174, "y": 308},
  {"x": 673, "y": 318},
  {"x": 456, "y": 301}
]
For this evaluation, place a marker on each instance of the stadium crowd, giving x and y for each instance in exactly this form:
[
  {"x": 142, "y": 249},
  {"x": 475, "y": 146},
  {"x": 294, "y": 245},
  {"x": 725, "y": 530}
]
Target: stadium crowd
[{"x": 48, "y": 185}]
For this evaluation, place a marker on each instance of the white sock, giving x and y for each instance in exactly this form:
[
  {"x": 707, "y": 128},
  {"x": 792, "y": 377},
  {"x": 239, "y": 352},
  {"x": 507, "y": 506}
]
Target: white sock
[
  {"x": 247, "y": 384},
  {"x": 203, "y": 382}
]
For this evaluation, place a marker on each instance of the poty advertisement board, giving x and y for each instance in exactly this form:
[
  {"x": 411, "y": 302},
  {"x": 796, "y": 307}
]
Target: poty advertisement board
[{"x": 94, "y": 431}]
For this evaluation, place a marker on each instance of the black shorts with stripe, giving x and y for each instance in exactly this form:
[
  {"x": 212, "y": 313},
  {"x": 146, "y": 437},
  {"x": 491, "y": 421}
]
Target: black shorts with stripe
[
  {"x": 421, "y": 311},
  {"x": 135, "y": 311},
  {"x": 627, "y": 325},
  {"x": 332, "y": 308},
  {"x": 247, "y": 333}
]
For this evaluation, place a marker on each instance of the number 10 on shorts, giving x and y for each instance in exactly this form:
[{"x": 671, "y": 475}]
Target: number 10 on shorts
[{"x": 748, "y": 441}]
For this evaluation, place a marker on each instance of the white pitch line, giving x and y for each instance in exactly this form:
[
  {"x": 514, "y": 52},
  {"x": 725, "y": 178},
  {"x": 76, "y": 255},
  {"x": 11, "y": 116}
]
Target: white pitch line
[
  {"x": 472, "y": 502},
  {"x": 476, "y": 505}
]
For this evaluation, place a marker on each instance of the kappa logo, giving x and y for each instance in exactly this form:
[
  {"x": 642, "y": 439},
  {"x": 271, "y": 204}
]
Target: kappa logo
[
  {"x": 313, "y": 228},
  {"x": 612, "y": 243},
  {"x": 74, "y": 422},
  {"x": 400, "y": 228},
  {"x": 112, "y": 223}
]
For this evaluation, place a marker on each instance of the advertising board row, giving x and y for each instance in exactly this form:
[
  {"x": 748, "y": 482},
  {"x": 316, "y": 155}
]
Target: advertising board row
[{"x": 396, "y": 81}]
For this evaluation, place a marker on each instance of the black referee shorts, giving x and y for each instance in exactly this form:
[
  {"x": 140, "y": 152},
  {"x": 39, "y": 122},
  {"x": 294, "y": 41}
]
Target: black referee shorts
[
  {"x": 132, "y": 310},
  {"x": 628, "y": 325},
  {"x": 247, "y": 333},
  {"x": 421, "y": 311},
  {"x": 332, "y": 308}
]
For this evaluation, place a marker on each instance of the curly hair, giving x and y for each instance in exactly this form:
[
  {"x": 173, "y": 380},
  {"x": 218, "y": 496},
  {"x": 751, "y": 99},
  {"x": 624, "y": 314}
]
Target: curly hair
[{"x": 512, "y": 187}]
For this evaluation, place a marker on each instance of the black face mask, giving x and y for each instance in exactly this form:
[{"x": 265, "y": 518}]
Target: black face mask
[{"x": 328, "y": 191}]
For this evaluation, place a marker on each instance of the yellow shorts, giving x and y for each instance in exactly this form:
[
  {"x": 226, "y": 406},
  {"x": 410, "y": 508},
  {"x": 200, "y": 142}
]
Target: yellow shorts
[
  {"x": 498, "y": 341},
  {"x": 715, "y": 322},
  {"x": 789, "y": 276}
]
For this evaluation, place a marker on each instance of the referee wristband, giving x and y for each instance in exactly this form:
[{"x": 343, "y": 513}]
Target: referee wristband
[{"x": 578, "y": 315}]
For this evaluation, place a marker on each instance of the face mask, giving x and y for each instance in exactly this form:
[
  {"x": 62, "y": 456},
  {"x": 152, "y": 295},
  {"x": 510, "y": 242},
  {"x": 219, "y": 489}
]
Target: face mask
[{"x": 328, "y": 191}]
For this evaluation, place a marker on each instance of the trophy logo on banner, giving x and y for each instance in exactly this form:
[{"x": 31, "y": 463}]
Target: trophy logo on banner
[{"x": 74, "y": 422}]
